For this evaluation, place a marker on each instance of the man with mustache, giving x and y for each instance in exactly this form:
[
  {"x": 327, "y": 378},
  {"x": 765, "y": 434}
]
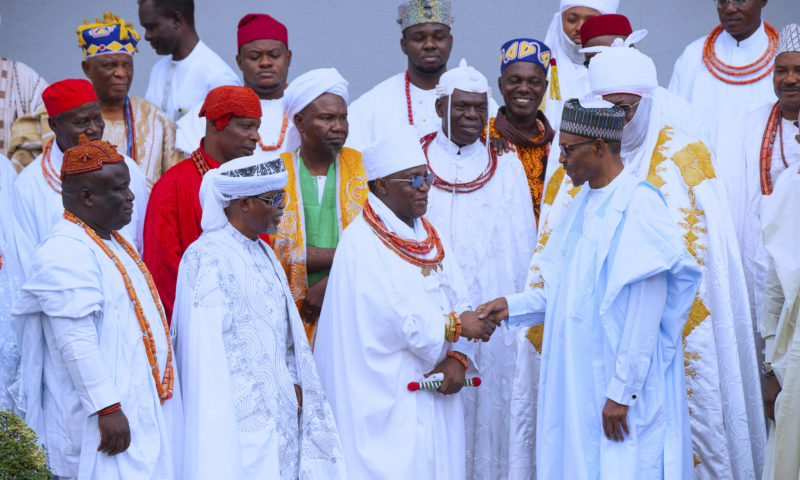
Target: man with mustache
[
  {"x": 254, "y": 406},
  {"x": 264, "y": 57},
  {"x": 73, "y": 109},
  {"x": 232, "y": 115},
  {"x": 481, "y": 204},
  {"x": 726, "y": 73},
  {"x": 326, "y": 188},
  {"x": 189, "y": 69}
]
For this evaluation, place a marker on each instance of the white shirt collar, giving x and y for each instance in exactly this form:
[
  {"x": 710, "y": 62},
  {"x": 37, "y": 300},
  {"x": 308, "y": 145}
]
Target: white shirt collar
[{"x": 451, "y": 148}]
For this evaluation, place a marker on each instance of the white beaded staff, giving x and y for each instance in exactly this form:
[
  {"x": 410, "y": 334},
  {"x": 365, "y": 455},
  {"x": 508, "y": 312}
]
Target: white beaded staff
[{"x": 435, "y": 381}]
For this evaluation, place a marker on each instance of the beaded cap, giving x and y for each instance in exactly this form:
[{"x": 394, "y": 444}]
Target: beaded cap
[
  {"x": 789, "y": 40},
  {"x": 88, "y": 156},
  {"x": 525, "y": 50},
  {"x": 109, "y": 35},
  {"x": 416, "y": 12},
  {"x": 593, "y": 118}
]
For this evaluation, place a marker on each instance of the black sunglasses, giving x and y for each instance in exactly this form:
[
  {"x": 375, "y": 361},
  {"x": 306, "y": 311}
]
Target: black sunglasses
[
  {"x": 416, "y": 180},
  {"x": 273, "y": 200}
]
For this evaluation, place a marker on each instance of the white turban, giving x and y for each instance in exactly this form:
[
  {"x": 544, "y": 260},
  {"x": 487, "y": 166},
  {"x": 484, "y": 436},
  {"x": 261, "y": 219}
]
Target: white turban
[
  {"x": 393, "y": 153},
  {"x": 259, "y": 173},
  {"x": 789, "y": 40},
  {"x": 464, "y": 78},
  {"x": 622, "y": 70},
  {"x": 305, "y": 89},
  {"x": 603, "y": 6}
]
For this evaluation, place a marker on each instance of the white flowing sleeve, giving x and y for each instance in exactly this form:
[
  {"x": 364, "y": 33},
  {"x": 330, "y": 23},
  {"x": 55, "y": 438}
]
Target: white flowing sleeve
[
  {"x": 771, "y": 311},
  {"x": 646, "y": 301},
  {"x": 76, "y": 340},
  {"x": 526, "y": 309}
]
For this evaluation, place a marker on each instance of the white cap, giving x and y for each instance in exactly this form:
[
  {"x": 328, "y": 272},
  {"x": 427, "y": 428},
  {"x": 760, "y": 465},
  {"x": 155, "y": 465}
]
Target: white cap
[
  {"x": 622, "y": 70},
  {"x": 464, "y": 78},
  {"x": 393, "y": 153}
]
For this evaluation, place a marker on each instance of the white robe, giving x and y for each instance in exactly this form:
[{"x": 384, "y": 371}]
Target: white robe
[
  {"x": 10, "y": 281},
  {"x": 383, "y": 109},
  {"x": 192, "y": 127},
  {"x": 82, "y": 351},
  {"x": 177, "y": 86},
  {"x": 713, "y": 99},
  {"x": 381, "y": 327},
  {"x": 38, "y": 207},
  {"x": 492, "y": 233},
  {"x": 612, "y": 331},
  {"x": 240, "y": 348}
]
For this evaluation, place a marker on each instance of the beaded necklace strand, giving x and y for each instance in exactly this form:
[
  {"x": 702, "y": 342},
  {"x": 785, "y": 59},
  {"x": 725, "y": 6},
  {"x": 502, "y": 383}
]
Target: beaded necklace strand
[
  {"x": 408, "y": 100},
  {"x": 408, "y": 250},
  {"x": 722, "y": 71},
  {"x": 200, "y": 162},
  {"x": 270, "y": 148},
  {"x": 774, "y": 129},
  {"x": 52, "y": 177},
  {"x": 466, "y": 187},
  {"x": 163, "y": 385}
]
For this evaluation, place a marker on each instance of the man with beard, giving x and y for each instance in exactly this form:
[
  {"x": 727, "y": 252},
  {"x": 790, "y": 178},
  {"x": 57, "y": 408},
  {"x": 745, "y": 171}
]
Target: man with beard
[
  {"x": 232, "y": 115},
  {"x": 326, "y": 188},
  {"x": 264, "y": 58},
  {"x": 253, "y": 401},
  {"x": 73, "y": 110},
  {"x": 189, "y": 69}
]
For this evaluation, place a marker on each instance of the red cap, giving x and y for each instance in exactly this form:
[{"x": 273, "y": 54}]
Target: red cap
[
  {"x": 611, "y": 24},
  {"x": 67, "y": 94},
  {"x": 259, "y": 26},
  {"x": 228, "y": 101}
]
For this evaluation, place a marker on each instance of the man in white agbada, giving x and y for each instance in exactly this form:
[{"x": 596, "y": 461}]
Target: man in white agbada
[
  {"x": 73, "y": 110},
  {"x": 612, "y": 399},
  {"x": 98, "y": 380},
  {"x": 570, "y": 78},
  {"x": 189, "y": 69},
  {"x": 10, "y": 281},
  {"x": 253, "y": 401},
  {"x": 480, "y": 203},
  {"x": 264, "y": 57},
  {"x": 719, "y": 351},
  {"x": 753, "y": 151},
  {"x": 389, "y": 319},
  {"x": 726, "y": 73},
  {"x": 779, "y": 327}
]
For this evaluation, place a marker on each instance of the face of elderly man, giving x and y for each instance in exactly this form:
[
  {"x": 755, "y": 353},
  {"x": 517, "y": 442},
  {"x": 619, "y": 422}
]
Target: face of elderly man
[
  {"x": 111, "y": 75},
  {"x": 323, "y": 124},
  {"x": 102, "y": 198},
  {"x": 468, "y": 116},
  {"x": 786, "y": 81},
  {"x": 84, "y": 119}
]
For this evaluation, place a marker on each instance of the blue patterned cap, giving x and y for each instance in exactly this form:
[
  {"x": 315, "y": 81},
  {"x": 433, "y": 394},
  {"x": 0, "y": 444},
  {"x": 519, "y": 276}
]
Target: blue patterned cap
[
  {"x": 109, "y": 35},
  {"x": 416, "y": 12},
  {"x": 525, "y": 50},
  {"x": 593, "y": 118}
]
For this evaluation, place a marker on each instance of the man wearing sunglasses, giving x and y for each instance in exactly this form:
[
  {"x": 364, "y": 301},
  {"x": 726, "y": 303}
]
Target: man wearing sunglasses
[
  {"x": 726, "y": 73},
  {"x": 255, "y": 407}
]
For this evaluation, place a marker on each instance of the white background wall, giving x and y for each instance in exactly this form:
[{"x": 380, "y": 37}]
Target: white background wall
[{"x": 359, "y": 37}]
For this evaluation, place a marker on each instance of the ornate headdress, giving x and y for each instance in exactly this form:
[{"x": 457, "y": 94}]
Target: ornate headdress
[{"x": 109, "y": 35}]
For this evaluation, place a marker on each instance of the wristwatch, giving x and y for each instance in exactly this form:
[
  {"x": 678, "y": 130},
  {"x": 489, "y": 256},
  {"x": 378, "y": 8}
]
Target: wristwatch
[{"x": 766, "y": 370}]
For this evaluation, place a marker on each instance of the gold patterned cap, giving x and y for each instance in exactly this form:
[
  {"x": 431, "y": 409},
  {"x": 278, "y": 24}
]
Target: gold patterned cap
[{"x": 416, "y": 12}]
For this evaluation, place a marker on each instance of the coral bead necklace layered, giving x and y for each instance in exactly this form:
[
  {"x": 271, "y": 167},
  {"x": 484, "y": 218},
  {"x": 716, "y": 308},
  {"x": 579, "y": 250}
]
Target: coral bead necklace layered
[{"x": 733, "y": 75}]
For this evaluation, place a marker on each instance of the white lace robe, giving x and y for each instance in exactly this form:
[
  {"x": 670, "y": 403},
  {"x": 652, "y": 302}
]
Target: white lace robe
[{"x": 10, "y": 277}]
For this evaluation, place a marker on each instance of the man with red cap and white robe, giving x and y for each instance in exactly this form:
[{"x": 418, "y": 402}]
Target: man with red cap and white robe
[
  {"x": 233, "y": 115},
  {"x": 73, "y": 110},
  {"x": 98, "y": 383},
  {"x": 264, "y": 57},
  {"x": 481, "y": 203}
]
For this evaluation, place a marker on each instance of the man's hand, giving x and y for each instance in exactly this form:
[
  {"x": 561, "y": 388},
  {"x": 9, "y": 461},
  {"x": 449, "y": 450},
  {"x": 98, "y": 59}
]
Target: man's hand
[
  {"x": 496, "y": 310},
  {"x": 299, "y": 393},
  {"x": 454, "y": 375},
  {"x": 500, "y": 145},
  {"x": 115, "y": 433},
  {"x": 771, "y": 390},
  {"x": 313, "y": 303},
  {"x": 615, "y": 420},
  {"x": 472, "y": 326}
]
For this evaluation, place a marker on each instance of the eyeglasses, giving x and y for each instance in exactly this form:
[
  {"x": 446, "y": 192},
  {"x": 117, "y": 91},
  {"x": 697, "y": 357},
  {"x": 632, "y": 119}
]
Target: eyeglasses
[
  {"x": 565, "y": 149},
  {"x": 416, "y": 180},
  {"x": 627, "y": 107},
  {"x": 273, "y": 200},
  {"x": 736, "y": 3}
]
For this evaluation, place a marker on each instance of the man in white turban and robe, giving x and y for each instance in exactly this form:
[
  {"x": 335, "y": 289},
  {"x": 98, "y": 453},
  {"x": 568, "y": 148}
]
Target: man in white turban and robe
[
  {"x": 719, "y": 350},
  {"x": 253, "y": 401},
  {"x": 480, "y": 202},
  {"x": 390, "y": 317}
]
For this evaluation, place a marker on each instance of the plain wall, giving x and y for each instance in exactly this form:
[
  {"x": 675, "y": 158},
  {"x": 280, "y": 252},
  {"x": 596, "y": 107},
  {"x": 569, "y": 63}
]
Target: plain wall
[{"x": 358, "y": 37}]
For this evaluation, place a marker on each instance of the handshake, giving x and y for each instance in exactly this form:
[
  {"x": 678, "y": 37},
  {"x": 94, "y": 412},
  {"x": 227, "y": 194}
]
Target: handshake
[{"x": 480, "y": 324}]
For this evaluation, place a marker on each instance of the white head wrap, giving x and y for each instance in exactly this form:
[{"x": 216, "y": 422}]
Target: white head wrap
[
  {"x": 630, "y": 40},
  {"x": 562, "y": 46},
  {"x": 305, "y": 89},
  {"x": 603, "y": 6},
  {"x": 622, "y": 70},
  {"x": 393, "y": 153},
  {"x": 464, "y": 78},
  {"x": 789, "y": 41},
  {"x": 259, "y": 173}
]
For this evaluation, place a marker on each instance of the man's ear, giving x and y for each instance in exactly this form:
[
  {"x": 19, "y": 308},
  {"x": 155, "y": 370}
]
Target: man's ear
[
  {"x": 440, "y": 106},
  {"x": 380, "y": 187},
  {"x": 86, "y": 197},
  {"x": 403, "y": 45},
  {"x": 298, "y": 123}
]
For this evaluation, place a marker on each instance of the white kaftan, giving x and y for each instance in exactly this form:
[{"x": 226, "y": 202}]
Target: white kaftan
[
  {"x": 714, "y": 99},
  {"x": 10, "y": 281},
  {"x": 177, "y": 86},
  {"x": 381, "y": 327},
  {"x": 612, "y": 331},
  {"x": 492, "y": 234},
  {"x": 240, "y": 348},
  {"x": 82, "y": 351},
  {"x": 38, "y": 207}
]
